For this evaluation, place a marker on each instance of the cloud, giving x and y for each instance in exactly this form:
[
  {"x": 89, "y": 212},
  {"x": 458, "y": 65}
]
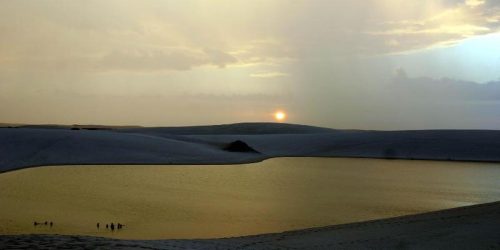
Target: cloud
[
  {"x": 138, "y": 60},
  {"x": 268, "y": 74},
  {"x": 264, "y": 52},
  {"x": 414, "y": 103},
  {"x": 445, "y": 89},
  {"x": 219, "y": 58},
  {"x": 283, "y": 32},
  {"x": 336, "y": 52},
  {"x": 158, "y": 60},
  {"x": 446, "y": 27},
  {"x": 474, "y": 3},
  {"x": 136, "y": 36}
]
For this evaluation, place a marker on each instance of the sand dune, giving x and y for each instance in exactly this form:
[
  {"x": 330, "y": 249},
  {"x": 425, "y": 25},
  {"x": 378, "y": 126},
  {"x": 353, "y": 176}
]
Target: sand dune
[
  {"x": 29, "y": 146},
  {"x": 26, "y": 147}
]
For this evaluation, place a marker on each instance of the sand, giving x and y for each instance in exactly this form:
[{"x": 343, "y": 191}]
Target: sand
[{"x": 160, "y": 202}]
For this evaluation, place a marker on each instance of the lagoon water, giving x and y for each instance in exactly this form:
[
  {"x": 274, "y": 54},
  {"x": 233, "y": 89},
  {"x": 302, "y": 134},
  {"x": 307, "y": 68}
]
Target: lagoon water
[{"x": 276, "y": 195}]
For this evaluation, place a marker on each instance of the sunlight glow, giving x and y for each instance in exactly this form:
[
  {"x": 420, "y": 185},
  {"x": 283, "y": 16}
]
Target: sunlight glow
[{"x": 280, "y": 116}]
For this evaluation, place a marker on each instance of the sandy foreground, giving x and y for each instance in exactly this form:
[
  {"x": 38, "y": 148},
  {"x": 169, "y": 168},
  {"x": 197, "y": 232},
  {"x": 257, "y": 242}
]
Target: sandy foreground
[
  {"x": 472, "y": 227},
  {"x": 173, "y": 202}
]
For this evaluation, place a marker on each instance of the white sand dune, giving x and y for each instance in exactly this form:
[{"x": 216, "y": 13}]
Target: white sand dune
[
  {"x": 473, "y": 227},
  {"x": 35, "y": 146},
  {"x": 26, "y": 147}
]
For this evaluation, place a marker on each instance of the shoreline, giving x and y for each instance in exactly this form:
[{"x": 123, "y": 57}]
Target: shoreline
[{"x": 242, "y": 162}]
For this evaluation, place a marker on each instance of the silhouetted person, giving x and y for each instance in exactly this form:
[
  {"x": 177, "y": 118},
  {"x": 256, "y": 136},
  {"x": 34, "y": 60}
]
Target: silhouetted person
[
  {"x": 51, "y": 224},
  {"x": 35, "y": 223},
  {"x": 112, "y": 226},
  {"x": 119, "y": 226},
  {"x": 107, "y": 226},
  {"x": 45, "y": 223},
  {"x": 97, "y": 225}
]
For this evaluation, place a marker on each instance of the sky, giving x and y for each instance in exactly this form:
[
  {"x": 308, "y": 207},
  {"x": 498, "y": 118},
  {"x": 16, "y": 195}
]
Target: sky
[{"x": 357, "y": 64}]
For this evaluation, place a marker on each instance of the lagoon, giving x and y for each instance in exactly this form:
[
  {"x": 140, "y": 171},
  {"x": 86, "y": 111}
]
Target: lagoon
[{"x": 207, "y": 201}]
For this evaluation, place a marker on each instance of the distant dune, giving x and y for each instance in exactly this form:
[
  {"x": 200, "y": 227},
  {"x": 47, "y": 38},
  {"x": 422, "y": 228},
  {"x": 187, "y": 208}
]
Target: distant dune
[
  {"x": 235, "y": 129},
  {"x": 53, "y": 145}
]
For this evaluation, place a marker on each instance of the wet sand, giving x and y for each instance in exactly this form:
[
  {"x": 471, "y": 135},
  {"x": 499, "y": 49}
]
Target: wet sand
[{"x": 161, "y": 202}]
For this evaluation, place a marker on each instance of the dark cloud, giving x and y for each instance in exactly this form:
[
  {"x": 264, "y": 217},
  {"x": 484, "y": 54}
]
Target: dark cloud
[
  {"x": 444, "y": 89},
  {"x": 219, "y": 58}
]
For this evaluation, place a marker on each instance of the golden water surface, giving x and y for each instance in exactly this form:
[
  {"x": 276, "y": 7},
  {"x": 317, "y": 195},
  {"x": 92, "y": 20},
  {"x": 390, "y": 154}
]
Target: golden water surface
[{"x": 228, "y": 200}]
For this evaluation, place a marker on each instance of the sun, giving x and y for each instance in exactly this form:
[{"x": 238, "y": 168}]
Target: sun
[{"x": 280, "y": 116}]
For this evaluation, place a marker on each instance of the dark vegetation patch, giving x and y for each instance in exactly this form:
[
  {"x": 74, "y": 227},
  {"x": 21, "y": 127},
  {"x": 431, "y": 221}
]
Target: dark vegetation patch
[{"x": 239, "y": 146}]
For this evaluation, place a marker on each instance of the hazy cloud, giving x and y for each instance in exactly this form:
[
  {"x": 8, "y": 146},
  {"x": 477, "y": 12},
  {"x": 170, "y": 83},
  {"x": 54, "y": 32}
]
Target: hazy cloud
[
  {"x": 443, "y": 28},
  {"x": 132, "y": 61},
  {"x": 474, "y": 3},
  {"x": 330, "y": 62},
  {"x": 282, "y": 32},
  {"x": 268, "y": 74},
  {"x": 162, "y": 60}
]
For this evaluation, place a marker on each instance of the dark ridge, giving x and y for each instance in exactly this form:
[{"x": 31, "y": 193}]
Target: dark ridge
[
  {"x": 239, "y": 146},
  {"x": 253, "y": 128},
  {"x": 249, "y": 128},
  {"x": 62, "y": 126}
]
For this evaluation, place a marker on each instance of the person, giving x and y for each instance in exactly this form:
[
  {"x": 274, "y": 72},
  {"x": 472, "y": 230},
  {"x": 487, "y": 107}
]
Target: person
[
  {"x": 97, "y": 225},
  {"x": 35, "y": 223},
  {"x": 45, "y": 223},
  {"x": 112, "y": 226},
  {"x": 107, "y": 226},
  {"x": 51, "y": 224},
  {"x": 119, "y": 226}
]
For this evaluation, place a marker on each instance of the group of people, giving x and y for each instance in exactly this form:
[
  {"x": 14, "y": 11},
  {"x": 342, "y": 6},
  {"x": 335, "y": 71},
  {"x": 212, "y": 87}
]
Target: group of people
[
  {"x": 35, "y": 223},
  {"x": 111, "y": 226}
]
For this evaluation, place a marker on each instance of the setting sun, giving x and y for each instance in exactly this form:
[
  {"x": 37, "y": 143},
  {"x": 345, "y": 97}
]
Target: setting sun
[{"x": 280, "y": 116}]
